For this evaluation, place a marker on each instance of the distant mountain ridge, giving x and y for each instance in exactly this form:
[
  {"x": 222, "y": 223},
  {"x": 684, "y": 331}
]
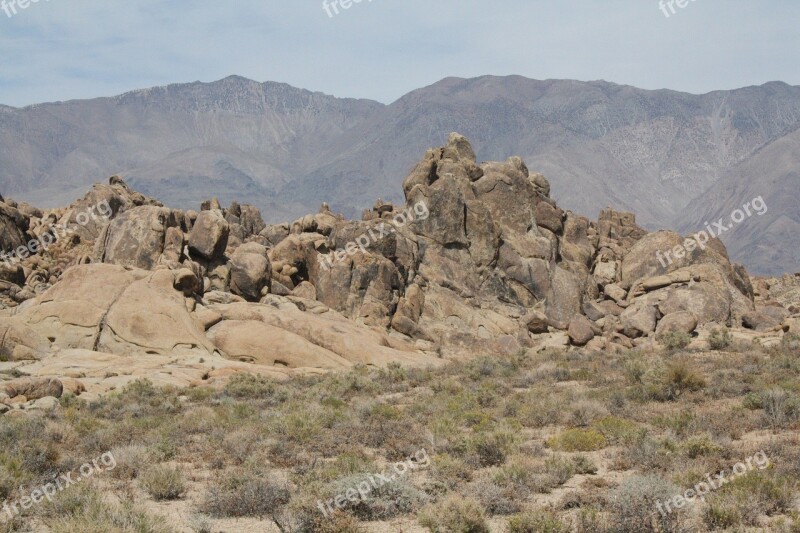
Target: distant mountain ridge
[{"x": 675, "y": 159}]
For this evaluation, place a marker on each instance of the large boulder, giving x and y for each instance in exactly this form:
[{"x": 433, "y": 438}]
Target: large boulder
[
  {"x": 13, "y": 228},
  {"x": 580, "y": 330},
  {"x": 18, "y": 342},
  {"x": 677, "y": 322},
  {"x": 209, "y": 235},
  {"x": 34, "y": 388},
  {"x": 281, "y": 334},
  {"x": 136, "y": 238},
  {"x": 251, "y": 271},
  {"x": 108, "y": 308}
]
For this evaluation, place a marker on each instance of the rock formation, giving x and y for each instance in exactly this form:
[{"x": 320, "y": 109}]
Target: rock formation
[{"x": 480, "y": 260}]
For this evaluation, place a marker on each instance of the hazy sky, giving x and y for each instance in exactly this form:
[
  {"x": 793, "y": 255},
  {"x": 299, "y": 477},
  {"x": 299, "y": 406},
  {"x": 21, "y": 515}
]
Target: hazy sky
[{"x": 381, "y": 49}]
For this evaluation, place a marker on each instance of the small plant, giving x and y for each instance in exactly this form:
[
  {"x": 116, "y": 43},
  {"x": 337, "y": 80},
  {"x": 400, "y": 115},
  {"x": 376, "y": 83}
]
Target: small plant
[
  {"x": 381, "y": 500},
  {"x": 746, "y": 498},
  {"x": 243, "y": 493},
  {"x": 617, "y": 430},
  {"x": 249, "y": 386},
  {"x": 720, "y": 339},
  {"x": 578, "y": 440},
  {"x": 679, "y": 378},
  {"x": 164, "y": 483},
  {"x": 454, "y": 515},
  {"x": 700, "y": 445},
  {"x": 634, "y": 506},
  {"x": 780, "y": 407},
  {"x": 492, "y": 449},
  {"x": 676, "y": 340},
  {"x": 537, "y": 522}
]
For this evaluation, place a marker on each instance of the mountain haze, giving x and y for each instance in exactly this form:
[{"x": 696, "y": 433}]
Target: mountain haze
[{"x": 675, "y": 159}]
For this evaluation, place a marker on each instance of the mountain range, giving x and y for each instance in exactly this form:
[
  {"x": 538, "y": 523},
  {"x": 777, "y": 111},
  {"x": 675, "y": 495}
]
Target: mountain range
[{"x": 677, "y": 160}]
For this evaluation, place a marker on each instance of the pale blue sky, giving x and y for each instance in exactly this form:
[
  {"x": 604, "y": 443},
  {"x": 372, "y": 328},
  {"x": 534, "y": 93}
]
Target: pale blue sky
[{"x": 64, "y": 49}]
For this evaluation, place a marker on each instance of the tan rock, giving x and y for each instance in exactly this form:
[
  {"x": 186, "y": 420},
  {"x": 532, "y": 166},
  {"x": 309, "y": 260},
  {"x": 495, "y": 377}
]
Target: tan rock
[
  {"x": 678, "y": 322},
  {"x": 18, "y": 342},
  {"x": 580, "y": 330},
  {"x": 305, "y": 290},
  {"x": 615, "y": 292},
  {"x": 209, "y": 235},
  {"x": 34, "y": 388}
]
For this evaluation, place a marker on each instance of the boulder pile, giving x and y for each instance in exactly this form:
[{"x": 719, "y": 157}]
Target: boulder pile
[{"x": 494, "y": 266}]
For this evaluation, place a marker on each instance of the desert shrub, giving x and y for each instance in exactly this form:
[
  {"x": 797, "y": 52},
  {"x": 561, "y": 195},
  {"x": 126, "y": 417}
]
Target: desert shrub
[
  {"x": 668, "y": 384},
  {"x": 649, "y": 454},
  {"x": 497, "y": 500},
  {"x": 450, "y": 471},
  {"x": 525, "y": 475},
  {"x": 584, "y": 465},
  {"x": 338, "y": 522},
  {"x": 590, "y": 520},
  {"x": 790, "y": 345},
  {"x": 578, "y": 440},
  {"x": 584, "y": 413},
  {"x": 201, "y": 524},
  {"x": 635, "y": 370},
  {"x": 163, "y": 483},
  {"x": 700, "y": 445},
  {"x": 619, "y": 431},
  {"x": 720, "y": 339},
  {"x": 454, "y": 515},
  {"x": 245, "y": 492},
  {"x": 83, "y": 509},
  {"x": 487, "y": 367},
  {"x": 491, "y": 449},
  {"x": 676, "y": 340},
  {"x": 374, "y": 498},
  {"x": 539, "y": 412},
  {"x": 780, "y": 407},
  {"x": 742, "y": 501},
  {"x": 634, "y": 506},
  {"x": 130, "y": 461},
  {"x": 681, "y": 424},
  {"x": 537, "y": 522},
  {"x": 252, "y": 387}
]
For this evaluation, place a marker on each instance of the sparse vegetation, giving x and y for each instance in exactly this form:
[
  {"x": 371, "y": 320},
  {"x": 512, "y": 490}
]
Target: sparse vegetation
[
  {"x": 677, "y": 340},
  {"x": 720, "y": 339},
  {"x": 602, "y": 435}
]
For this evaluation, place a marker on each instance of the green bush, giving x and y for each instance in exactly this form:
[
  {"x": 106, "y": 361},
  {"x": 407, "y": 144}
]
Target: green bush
[
  {"x": 700, "y": 445},
  {"x": 677, "y": 340},
  {"x": 742, "y": 501},
  {"x": 619, "y": 431},
  {"x": 578, "y": 440},
  {"x": 720, "y": 339}
]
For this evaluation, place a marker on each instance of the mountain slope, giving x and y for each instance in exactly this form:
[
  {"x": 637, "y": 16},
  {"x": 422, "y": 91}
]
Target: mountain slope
[{"x": 661, "y": 154}]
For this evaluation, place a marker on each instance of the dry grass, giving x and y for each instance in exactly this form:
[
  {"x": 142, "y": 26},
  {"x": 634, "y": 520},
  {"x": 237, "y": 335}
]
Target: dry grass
[{"x": 542, "y": 442}]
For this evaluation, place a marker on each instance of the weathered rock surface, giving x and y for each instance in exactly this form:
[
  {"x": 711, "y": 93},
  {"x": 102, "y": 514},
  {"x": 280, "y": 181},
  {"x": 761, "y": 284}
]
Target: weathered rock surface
[{"x": 480, "y": 260}]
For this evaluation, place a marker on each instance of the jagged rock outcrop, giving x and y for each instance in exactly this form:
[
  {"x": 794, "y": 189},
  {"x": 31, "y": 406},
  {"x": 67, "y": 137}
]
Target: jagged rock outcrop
[{"x": 480, "y": 260}]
